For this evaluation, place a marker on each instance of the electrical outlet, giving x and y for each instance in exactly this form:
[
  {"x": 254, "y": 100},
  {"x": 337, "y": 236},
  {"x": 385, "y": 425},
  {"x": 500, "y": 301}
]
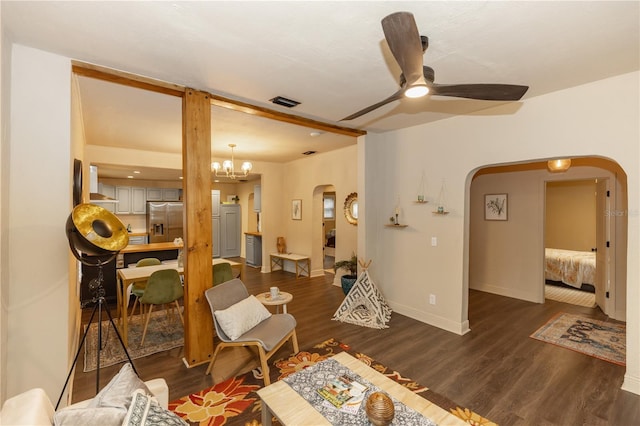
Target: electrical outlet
[
  {"x": 432, "y": 299},
  {"x": 434, "y": 241}
]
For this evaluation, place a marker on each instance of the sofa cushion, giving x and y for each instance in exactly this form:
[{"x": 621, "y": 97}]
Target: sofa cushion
[
  {"x": 104, "y": 416},
  {"x": 241, "y": 317},
  {"x": 145, "y": 410},
  {"x": 110, "y": 405}
]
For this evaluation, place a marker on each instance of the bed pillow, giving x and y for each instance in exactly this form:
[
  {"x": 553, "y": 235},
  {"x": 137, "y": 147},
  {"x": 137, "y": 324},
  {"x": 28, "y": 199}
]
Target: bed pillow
[{"x": 241, "y": 317}]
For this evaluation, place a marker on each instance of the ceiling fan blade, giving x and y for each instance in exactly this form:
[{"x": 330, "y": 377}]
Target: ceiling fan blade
[
  {"x": 487, "y": 92},
  {"x": 368, "y": 109},
  {"x": 404, "y": 41}
]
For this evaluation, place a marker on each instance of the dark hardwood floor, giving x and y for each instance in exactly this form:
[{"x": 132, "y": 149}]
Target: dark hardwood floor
[{"x": 495, "y": 370}]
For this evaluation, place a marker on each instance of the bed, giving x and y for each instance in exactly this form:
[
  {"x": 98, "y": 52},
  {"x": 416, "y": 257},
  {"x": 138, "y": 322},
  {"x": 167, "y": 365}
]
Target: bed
[{"x": 570, "y": 267}]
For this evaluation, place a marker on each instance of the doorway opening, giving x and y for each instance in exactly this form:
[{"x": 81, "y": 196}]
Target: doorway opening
[
  {"x": 571, "y": 242},
  {"x": 329, "y": 229}
]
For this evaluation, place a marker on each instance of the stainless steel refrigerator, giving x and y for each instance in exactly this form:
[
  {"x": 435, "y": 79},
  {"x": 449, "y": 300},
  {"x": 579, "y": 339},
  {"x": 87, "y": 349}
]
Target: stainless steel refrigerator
[{"x": 164, "y": 221}]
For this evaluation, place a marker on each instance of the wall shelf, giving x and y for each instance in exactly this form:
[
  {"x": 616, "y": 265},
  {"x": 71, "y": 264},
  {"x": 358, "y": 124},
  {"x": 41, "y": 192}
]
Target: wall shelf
[
  {"x": 396, "y": 226},
  {"x": 421, "y": 202},
  {"x": 441, "y": 213}
]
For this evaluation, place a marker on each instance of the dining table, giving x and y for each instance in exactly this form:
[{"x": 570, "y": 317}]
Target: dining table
[{"x": 127, "y": 276}]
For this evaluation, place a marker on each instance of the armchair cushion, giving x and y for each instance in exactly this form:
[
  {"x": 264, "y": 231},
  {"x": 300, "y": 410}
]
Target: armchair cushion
[{"x": 241, "y": 317}]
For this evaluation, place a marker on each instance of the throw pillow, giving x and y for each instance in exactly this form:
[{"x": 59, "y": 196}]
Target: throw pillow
[
  {"x": 241, "y": 317},
  {"x": 110, "y": 405},
  {"x": 145, "y": 410},
  {"x": 117, "y": 393}
]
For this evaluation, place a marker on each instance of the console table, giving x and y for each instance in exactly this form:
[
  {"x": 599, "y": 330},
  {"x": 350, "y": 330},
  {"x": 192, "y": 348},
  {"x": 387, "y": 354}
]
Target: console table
[{"x": 302, "y": 262}]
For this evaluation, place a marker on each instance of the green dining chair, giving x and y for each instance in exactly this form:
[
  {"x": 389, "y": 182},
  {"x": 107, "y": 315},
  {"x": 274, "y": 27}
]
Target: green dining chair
[
  {"x": 222, "y": 272},
  {"x": 163, "y": 287},
  {"x": 137, "y": 288}
]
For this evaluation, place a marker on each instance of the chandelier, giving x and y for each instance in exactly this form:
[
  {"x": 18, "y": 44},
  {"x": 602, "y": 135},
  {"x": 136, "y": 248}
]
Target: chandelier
[{"x": 228, "y": 168}]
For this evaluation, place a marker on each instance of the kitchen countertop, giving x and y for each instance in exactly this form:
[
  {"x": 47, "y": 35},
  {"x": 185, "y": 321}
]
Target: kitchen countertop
[
  {"x": 255, "y": 234},
  {"x": 138, "y": 248},
  {"x": 137, "y": 234}
]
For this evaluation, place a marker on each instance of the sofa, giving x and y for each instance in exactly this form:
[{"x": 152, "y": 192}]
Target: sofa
[{"x": 124, "y": 400}]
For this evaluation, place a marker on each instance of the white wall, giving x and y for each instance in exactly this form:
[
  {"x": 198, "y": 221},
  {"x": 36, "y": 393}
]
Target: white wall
[
  {"x": 303, "y": 177},
  {"x": 597, "y": 119},
  {"x": 5, "y": 86},
  {"x": 39, "y": 201}
]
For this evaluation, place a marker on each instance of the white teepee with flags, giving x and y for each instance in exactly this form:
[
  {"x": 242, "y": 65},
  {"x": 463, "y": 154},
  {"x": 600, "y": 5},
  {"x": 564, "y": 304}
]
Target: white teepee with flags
[{"x": 364, "y": 305}]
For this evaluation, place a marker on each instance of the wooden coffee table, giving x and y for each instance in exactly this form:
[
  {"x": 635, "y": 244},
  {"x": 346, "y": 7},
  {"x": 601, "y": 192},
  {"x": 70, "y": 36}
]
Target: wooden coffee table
[{"x": 279, "y": 400}]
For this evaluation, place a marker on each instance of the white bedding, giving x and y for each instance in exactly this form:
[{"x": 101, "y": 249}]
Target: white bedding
[{"x": 570, "y": 267}]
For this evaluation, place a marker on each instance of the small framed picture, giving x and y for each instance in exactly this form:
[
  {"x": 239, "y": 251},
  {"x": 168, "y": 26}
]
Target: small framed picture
[
  {"x": 495, "y": 207},
  {"x": 296, "y": 209}
]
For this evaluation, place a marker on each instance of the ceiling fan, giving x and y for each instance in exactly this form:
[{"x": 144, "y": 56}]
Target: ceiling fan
[{"x": 417, "y": 80}]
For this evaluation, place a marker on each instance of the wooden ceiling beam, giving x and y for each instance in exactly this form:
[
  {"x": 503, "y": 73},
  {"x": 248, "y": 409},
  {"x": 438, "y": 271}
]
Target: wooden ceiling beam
[{"x": 158, "y": 86}]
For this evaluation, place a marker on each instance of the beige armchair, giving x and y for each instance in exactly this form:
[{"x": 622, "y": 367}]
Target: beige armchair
[{"x": 241, "y": 320}]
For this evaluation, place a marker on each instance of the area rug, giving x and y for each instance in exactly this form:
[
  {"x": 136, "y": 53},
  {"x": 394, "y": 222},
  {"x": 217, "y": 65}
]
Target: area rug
[
  {"x": 592, "y": 337},
  {"x": 569, "y": 295},
  {"x": 235, "y": 401},
  {"x": 164, "y": 332}
]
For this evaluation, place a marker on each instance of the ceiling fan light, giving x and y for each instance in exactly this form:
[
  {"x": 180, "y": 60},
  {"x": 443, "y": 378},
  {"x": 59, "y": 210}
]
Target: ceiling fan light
[
  {"x": 559, "y": 165},
  {"x": 227, "y": 165},
  {"x": 416, "y": 91},
  {"x": 215, "y": 166}
]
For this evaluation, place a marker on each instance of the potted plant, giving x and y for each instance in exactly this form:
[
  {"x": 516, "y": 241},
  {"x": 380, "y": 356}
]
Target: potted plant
[{"x": 348, "y": 280}]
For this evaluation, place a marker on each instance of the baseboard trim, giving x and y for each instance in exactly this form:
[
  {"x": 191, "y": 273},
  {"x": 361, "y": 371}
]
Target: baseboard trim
[
  {"x": 459, "y": 328},
  {"x": 631, "y": 384}
]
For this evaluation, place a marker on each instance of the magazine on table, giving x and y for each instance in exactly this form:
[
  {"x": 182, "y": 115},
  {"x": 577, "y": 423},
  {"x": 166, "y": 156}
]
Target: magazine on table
[{"x": 343, "y": 393}]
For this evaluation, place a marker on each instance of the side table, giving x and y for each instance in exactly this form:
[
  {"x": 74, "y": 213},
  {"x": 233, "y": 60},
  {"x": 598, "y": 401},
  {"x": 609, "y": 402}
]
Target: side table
[{"x": 282, "y": 299}]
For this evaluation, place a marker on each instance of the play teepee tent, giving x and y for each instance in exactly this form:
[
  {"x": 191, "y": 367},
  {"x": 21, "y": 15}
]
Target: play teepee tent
[{"x": 364, "y": 305}]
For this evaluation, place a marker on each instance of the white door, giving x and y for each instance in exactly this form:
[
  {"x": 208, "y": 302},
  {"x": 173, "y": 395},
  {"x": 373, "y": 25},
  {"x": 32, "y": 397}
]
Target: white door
[{"x": 603, "y": 290}]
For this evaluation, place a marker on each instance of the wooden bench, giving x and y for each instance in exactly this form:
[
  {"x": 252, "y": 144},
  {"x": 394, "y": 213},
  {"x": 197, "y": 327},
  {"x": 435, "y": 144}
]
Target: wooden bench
[{"x": 303, "y": 263}]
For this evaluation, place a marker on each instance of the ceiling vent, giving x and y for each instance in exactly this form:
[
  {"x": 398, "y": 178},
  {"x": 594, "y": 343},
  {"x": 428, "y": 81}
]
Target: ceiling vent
[
  {"x": 309, "y": 152},
  {"x": 289, "y": 103}
]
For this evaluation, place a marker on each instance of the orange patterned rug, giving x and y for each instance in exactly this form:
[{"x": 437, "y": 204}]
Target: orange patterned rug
[{"x": 235, "y": 402}]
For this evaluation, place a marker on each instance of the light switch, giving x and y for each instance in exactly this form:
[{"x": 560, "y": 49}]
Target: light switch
[{"x": 434, "y": 241}]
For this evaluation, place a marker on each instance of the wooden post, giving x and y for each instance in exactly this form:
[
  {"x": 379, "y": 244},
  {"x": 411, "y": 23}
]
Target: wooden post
[{"x": 196, "y": 171}]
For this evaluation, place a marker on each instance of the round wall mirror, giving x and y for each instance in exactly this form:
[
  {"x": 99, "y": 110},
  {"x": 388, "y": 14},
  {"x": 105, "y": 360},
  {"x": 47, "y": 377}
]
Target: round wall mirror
[{"x": 351, "y": 208}]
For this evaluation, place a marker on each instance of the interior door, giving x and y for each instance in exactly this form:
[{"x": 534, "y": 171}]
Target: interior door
[{"x": 602, "y": 251}]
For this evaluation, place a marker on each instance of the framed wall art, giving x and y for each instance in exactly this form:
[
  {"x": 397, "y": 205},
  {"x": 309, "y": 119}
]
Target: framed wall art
[
  {"x": 296, "y": 209},
  {"x": 495, "y": 207}
]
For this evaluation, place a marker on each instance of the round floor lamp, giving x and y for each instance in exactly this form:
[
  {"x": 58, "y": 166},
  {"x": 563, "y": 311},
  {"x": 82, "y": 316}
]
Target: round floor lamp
[{"x": 95, "y": 236}]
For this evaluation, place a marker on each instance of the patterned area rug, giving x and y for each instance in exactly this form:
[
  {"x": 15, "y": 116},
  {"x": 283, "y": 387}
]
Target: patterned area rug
[
  {"x": 164, "y": 332},
  {"x": 603, "y": 340},
  {"x": 235, "y": 401}
]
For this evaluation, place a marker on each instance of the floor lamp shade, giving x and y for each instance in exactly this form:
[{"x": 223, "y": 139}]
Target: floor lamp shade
[{"x": 95, "y": 231}]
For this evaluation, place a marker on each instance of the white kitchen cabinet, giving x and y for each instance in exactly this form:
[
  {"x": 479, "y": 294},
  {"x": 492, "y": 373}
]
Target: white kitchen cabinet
[
  {"x": 215, "y": 229},
  {"x": 131, "y": 200},
  {"x": 154, "y": 194},
  {"x": 170, "y": 194},
  {"x": 215, "y": 202},
  {"x": 257, "y": 198},
  {"x": 109, "y": 191},
  {"x": 137, "y": 239},
  {"x": 163, "y": 194}
]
